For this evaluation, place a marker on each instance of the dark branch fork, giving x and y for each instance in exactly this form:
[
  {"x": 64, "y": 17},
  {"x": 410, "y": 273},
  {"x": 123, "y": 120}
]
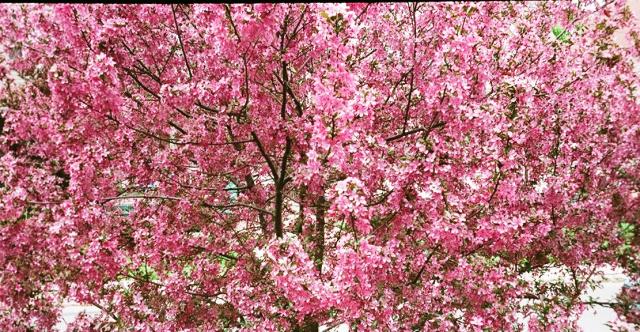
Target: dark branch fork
[
  {"x": 418, "y": 275},
  {"x": 426, "y": 130},
  {"x": 434, "y": 124}
]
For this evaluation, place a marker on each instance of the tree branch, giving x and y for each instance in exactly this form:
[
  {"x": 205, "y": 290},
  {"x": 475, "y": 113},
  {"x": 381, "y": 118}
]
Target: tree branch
[
  {"x": 415, "y": 280},
  {"x": 264, "y": 154},
  {"x": 227, "y": 12},
  {"x": 226, "y": 206},
  {"x": 108, "y": 199},
  {"x": 135, "y": 78},
  {"x": 417, "y": 130},
  {"x": 184, "y": 54}
]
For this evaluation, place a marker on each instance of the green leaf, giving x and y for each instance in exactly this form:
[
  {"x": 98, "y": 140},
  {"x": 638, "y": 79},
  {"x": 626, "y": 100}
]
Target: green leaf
[
  {"x": 560, "y": 33},
  {"x": 627, "y": 231},
  {"x": 493, "y": 261},
  {"x": 226, "y": 263},
  {"x": 187, "y": 270},
  {"x": 524, "y": 265},
  {"x": 342, "y": 225},
  {"x": 569, "y": 233},
  {"x": 146, "y": 272}
]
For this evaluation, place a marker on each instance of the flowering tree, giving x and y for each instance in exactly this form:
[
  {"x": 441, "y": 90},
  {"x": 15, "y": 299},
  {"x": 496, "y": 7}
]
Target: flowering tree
[{"x": 282, "y": 167}]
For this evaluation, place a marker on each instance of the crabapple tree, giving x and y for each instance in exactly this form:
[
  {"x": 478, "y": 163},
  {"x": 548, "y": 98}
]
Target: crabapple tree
[{"x": 283, "y": 167}]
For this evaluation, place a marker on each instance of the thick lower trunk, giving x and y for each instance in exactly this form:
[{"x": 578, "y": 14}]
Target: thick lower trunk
[
  {"x": 311, "y": 327},
  {"x": 281, "y": 180},
  {"x": 278, "y": 211},
  {"x": 319, "y": 236},
  {"x": 307, "y": 326}
]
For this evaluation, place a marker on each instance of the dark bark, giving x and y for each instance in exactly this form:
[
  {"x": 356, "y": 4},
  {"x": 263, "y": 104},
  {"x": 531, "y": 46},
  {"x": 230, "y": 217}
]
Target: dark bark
[
  {"x": 278, "y": 212},
  {"x": 281, "y": 180},
  {"x": 307, "y": 326},
  {"x": 319, "y": 232}
]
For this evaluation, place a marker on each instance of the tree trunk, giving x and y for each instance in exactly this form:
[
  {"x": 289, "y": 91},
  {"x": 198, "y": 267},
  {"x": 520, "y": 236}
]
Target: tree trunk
[
  {"x": 307, "y": 326},
  {"x": 319, "y": 236}
]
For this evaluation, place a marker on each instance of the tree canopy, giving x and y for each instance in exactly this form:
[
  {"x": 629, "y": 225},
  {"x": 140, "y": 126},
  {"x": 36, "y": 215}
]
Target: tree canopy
[{"x": 280, "y": 167}]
